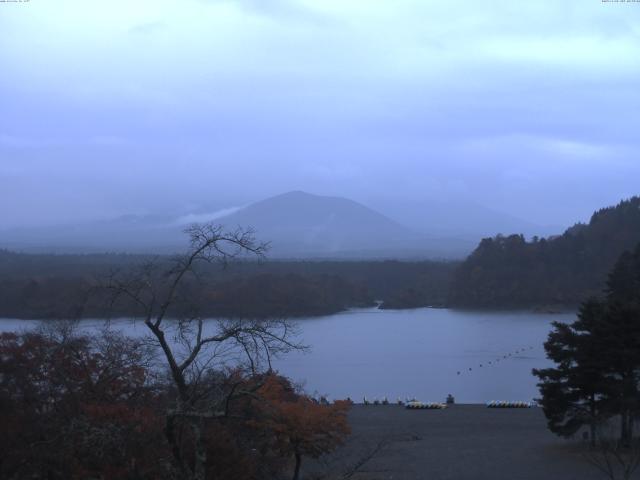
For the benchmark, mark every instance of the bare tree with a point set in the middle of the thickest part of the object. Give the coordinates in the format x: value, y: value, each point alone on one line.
x: 194, y: 350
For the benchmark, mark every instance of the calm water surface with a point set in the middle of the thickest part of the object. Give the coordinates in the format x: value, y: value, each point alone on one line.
x: 423, y: 353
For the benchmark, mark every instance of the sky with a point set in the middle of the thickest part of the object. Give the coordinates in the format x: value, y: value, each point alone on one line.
x: 186, y: 107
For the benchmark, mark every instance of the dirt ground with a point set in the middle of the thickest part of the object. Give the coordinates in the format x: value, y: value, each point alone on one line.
x: 459, y: 443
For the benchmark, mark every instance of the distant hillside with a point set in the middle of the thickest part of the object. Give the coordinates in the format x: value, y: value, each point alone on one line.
x: 300, y: 224
x: 297, y: 225
x: 558, y: 271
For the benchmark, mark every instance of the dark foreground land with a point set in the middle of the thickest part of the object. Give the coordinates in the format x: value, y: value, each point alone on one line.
x: 461, y: 442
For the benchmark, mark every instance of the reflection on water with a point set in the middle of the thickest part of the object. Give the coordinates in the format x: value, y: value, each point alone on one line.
x: 426, y: 353
x: 423, y: 353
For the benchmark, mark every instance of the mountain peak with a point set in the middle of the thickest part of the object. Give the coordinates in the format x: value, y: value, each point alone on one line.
x: 295, y: 195
x: 298, y: 222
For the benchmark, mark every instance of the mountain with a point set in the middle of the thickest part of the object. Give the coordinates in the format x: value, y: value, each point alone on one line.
x: 300, y: 224
x: 297, y: 225
x: 510, y: 272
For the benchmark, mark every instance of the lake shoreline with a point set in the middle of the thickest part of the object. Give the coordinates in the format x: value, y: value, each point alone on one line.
x: 542, y: 310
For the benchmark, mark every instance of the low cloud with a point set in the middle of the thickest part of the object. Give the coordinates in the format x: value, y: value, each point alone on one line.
x: 205, y: 217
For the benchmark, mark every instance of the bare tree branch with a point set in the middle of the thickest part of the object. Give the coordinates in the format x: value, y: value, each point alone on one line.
x: 192, y: 354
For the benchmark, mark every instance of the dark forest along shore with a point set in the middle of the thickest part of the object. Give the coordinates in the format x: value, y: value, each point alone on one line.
x: 424, y: 353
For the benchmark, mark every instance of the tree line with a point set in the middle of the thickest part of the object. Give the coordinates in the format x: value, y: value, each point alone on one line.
x: 511, y: 272
x: 503, y: 272
x: 66, y: 286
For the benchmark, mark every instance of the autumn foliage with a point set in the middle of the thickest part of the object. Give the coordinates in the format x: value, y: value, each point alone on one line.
x: 267, y: 434
x: 74, y: 407
x: 297, y: 424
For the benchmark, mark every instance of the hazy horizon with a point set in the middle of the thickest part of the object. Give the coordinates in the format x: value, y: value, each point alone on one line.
x: 113, y: 108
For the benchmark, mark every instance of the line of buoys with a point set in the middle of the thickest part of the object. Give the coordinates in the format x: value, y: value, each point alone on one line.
x: 503, y: 404
x: 503, y: 357
x: 426, y: 406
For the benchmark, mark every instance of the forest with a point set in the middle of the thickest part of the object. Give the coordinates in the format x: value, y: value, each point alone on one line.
x: 68, y: 286
x: 556, y: 272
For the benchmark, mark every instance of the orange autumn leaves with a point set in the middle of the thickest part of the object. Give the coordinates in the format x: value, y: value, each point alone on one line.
x: 77, y: 407
x: 299, y: 424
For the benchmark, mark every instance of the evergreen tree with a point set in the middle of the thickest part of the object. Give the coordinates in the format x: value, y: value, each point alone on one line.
x: 597, y: 372
x: 619, y: 333
x: 574, y: 392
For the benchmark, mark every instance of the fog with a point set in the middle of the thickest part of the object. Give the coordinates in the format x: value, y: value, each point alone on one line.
x: 187, y: 108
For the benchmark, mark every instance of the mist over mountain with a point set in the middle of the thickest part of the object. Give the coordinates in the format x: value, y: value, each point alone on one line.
x: 300, y: 224
x: 128, y: 233
x: 297, y: 225
x: 460, y: 218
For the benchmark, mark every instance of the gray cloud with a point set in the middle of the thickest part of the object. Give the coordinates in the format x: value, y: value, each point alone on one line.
x: 200, y: 106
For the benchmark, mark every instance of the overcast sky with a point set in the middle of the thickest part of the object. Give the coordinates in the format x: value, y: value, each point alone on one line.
x: 113, y: 107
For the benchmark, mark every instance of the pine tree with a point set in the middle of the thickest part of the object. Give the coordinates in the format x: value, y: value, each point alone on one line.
x: 619, y: 333
x: 597, y: 372
x: 574, y: 392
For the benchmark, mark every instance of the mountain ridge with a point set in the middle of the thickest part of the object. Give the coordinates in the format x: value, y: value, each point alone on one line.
x: 296, y: 223
x: 302, y: 223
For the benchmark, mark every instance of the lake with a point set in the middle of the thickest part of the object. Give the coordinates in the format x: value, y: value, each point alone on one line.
x: 424, y: 353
